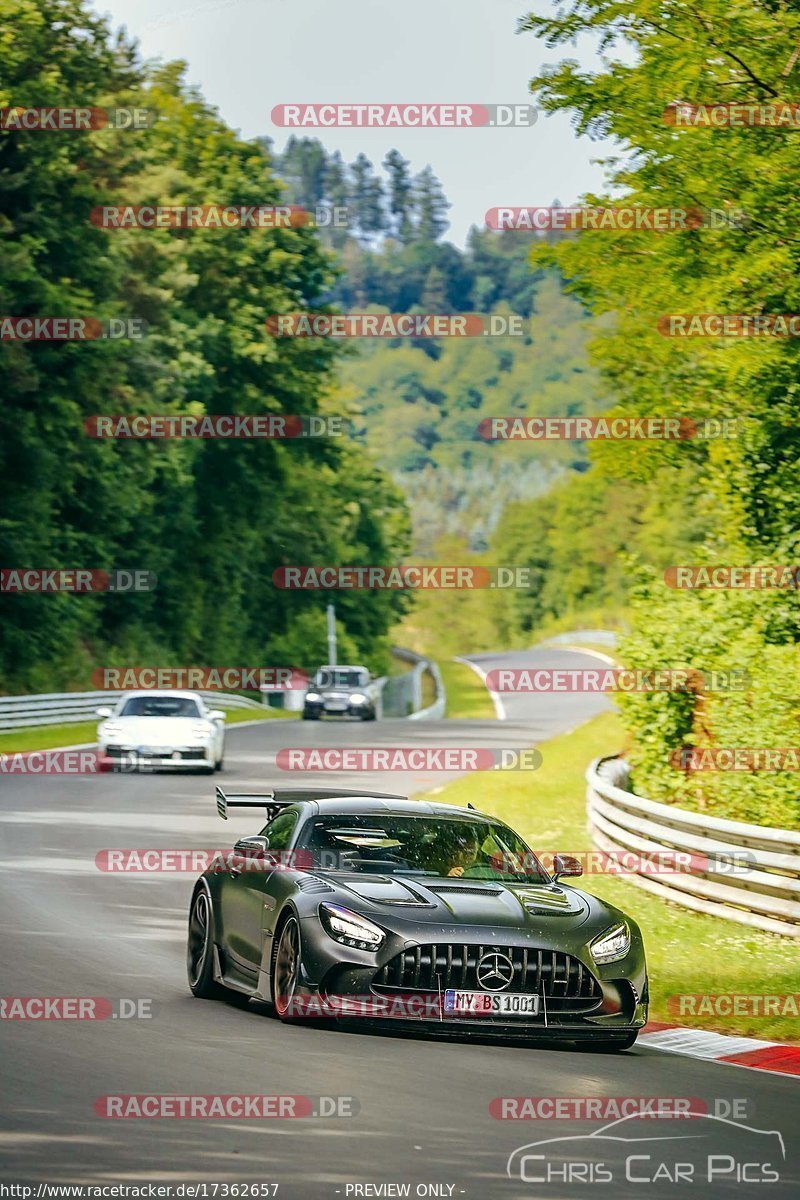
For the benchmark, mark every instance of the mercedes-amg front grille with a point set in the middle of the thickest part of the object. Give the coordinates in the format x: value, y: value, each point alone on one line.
x: 565, y: 982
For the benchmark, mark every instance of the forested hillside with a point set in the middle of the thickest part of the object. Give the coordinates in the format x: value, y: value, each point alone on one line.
x: 417, y: 402
x: 211, y: 518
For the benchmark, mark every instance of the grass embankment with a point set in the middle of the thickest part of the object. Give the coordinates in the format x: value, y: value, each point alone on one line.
x: 688, y: 953
x: 467, y: 697
x: 44, y: 737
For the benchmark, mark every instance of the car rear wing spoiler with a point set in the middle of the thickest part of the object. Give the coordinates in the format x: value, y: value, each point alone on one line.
x: 281, y: 797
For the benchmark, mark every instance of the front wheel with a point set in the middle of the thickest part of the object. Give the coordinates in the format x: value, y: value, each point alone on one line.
x: 286, y: 968
x: 200, y: 949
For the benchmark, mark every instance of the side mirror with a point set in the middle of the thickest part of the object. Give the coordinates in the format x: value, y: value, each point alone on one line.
x: 216, y: 714
x: 565, y: 864
x: 104, y: 712
x: 255, y: 847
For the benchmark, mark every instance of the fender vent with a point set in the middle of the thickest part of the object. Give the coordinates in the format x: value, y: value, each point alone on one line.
x: 310, y: 883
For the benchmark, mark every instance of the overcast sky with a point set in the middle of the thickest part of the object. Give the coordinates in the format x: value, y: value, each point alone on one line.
x: 249, y: 55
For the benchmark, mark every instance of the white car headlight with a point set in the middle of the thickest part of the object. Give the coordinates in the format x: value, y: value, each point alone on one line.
x: 202, y: 729
x: 611, y: 945
x: 358, y: 698
x: 313, y: 697
x: 350, y: 928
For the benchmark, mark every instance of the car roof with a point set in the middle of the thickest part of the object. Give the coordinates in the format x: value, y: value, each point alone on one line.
x: 341, y: 667
x: 354, y: 805
x: 161, y: 693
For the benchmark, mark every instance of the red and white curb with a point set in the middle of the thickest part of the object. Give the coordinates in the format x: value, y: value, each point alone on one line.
x: 738, y: 1051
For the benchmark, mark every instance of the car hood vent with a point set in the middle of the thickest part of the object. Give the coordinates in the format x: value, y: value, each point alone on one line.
x: 466, y: 890
x: 549, y: 901
x: 310, y: 883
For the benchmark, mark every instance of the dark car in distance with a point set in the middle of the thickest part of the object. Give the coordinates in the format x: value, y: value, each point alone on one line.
x: 377, y: 907
x: 340, y: 692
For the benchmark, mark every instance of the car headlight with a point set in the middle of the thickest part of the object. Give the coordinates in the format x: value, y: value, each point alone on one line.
x: 203, y: 729
x: 109, y: 727
x: 358, y: 698
x: 349, y: 928
x: 313, y: 697
x: 611, y: 945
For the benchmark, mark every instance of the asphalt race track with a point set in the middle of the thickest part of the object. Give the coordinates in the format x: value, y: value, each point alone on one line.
x: 423, y: 1103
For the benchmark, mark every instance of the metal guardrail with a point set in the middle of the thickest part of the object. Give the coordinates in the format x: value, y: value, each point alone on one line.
x: 742, y: 872
x: 69, y: 708
x: 433, y: 711
x: 400, y: 699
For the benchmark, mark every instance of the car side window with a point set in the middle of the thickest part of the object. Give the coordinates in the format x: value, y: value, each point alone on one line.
x: 280, y: 830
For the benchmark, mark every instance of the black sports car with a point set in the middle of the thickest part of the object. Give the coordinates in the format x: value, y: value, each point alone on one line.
x: 340, y: 692
x: 351, y: 904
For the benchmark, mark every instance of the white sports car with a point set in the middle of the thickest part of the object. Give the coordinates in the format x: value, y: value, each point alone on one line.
x: 161, y: 730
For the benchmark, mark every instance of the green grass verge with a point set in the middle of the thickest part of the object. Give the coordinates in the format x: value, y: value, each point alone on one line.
x: 467, y: 696
x: 44, y: 737
x: 687, y: 952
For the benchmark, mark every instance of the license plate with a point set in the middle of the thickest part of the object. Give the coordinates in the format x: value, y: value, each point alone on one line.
x: 336, y: 706
x: 488, y: 1004
x: 153, y: 751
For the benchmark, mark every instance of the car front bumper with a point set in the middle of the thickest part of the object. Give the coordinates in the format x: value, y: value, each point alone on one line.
x: 350, y: 984
x: 155, y: 758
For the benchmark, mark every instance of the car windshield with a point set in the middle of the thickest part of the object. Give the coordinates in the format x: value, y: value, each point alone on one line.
x: 159, y: 706
x: 446, y: 847
x: 340, y: 677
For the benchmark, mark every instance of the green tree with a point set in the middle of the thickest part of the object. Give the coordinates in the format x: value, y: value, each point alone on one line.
x: 401, y: 196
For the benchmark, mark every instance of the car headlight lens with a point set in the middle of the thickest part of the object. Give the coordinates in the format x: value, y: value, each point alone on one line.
x: 611, y: 945
x: 202, y: 729
x: 349, y: 928
x: 110, y: 727
x: 358, y: 698
x: 313, y: 697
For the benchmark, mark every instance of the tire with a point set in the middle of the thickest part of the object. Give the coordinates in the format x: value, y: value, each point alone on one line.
x: 286, y: 960
x: 219, y: 765
x: 199, y: 949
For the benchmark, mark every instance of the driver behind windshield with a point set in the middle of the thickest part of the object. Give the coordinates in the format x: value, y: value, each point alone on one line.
x: 464, y: 852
